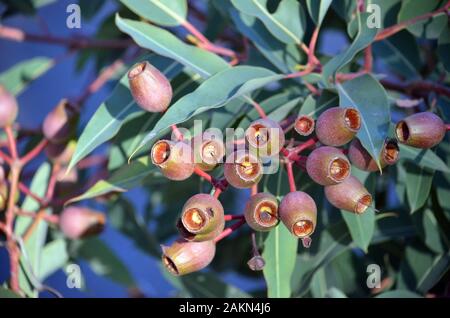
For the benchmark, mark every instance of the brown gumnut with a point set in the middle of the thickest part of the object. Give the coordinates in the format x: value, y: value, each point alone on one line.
x: 261, y: 212
x: 242, y: 169
x: 298, y: 212
x: 361, y: 158
x: 79, y: 222
x: 3, y: 195
x: 349, y: 195
x: 202, y: 218
x: 60, y: 123
x: 266, y: 136
x: 327, y: 165
x: 421, y: 130
x: 256, y: 263
x: 150, y: 88
x: 208, y: 151
x: 337, y: 126
x: 183, y: 257
x: 61, y: 153
x: 304, y: 125
x: 173, y: 158
x: 8, y: 108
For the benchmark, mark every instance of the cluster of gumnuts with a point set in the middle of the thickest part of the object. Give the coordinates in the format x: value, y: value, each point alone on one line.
x: 202, y: 217
x: 58, y: 130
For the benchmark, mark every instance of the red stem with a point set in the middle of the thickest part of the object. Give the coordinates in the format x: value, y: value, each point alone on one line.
x: 204, y: 175
x: 177, y: 132
x: 6, y: 158
x: 368, y: 59
x: 229, y: 230
x: 254, y: 189
x: 18, y: 35
x: 404, y: 24
x: 52, y: 183
x: 11, y: 142
x: 230, y: 217
x: 290, y: 172
x: 34, y: 152
x: 50, y: 218
x: 217, y: 192
x: 307, y: 144
x: 259, y: 109
x: 25, y: 190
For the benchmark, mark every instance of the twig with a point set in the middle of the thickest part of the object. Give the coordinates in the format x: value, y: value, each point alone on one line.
x: 34, y: 152
x: 18, y: 35
x: 229, y: 230
x: 404, y: 24
x: 291, y: 178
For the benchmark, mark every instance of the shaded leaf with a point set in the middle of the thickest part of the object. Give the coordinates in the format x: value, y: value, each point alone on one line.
x: 398, y: 294
x: 434, y: 273
x: 424, y: 158
x: 418, y: 186
x: 444, y: 47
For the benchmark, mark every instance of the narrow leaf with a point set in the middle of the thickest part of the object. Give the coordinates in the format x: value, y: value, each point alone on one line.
x: 162, y: 12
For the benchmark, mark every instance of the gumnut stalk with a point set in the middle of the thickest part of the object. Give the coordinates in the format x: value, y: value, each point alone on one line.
x: 337, y: 126
x: 304, y: 125
x: 173, y: 158
x: 208, y: 151
x: 183, y: 257
x: 150, y: 88
x: 350, y: 195
x: 421, y: 130
x: 257, y: 262
x: 265, y: 136
x: 79, y: 222
x: 327, y: 165
x: 242, y: 169
x: 60, y: 123
x: 202, y: 218
x: 8, y: 108
x: 361, y: 158
x: 298, y: 212
x: 261, y: 212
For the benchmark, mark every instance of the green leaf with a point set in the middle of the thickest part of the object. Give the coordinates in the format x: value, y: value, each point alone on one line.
x: 344, y: 8
x: 367, y: 95
x: 334, y: 292
x: 416, y: 262
x: 104, y: 262
x: 363, y: 39
x: 213, y: 93
x: 162, y: 12
x: 54, y: 257
x: 430, y: 28
x: 424, y: 158
x: 208, y: 285
x: 7, y: 293
x: 434, y: 273
x: 124, y: 179
x: 418, y: 186
x: 35, y: 243
x: 314, y: 108
x: 282, y: 56
x: 280, y: 249
x: 362, y: 226
x: 111, y: 114
x: 398, y: 294
x: 401, y: 53
x: 444, y: 47
x: 287, y: 23
x: 164, y: 43
x: 16, y: 79
x: 318, y: 9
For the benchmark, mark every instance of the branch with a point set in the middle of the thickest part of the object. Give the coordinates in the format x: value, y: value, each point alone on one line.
x: 416, y: 89
x: 404, y: 24
x: 18, y: 35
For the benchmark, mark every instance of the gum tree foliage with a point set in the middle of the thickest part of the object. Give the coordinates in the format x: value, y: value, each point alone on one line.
x: 408, y: 235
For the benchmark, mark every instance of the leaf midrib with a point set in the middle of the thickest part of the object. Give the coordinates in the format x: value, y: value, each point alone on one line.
x: 171, y: 13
